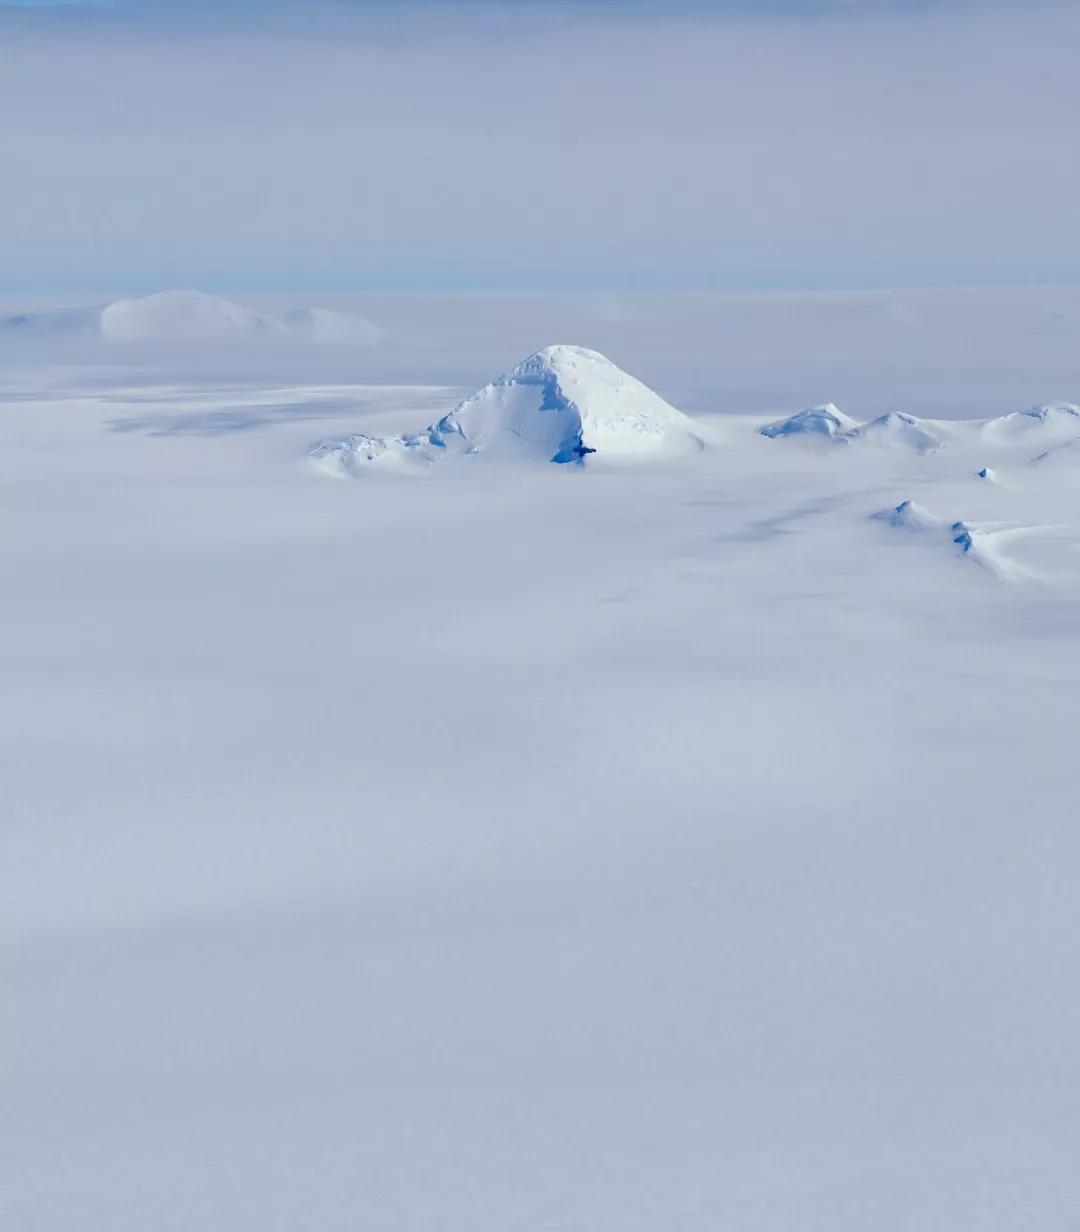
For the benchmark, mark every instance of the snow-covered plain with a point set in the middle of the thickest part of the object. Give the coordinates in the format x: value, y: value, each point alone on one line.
x: 651, y: 844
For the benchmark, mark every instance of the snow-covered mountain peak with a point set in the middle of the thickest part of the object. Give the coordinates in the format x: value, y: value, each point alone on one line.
x: 561, y: 404
x: 826, y: 420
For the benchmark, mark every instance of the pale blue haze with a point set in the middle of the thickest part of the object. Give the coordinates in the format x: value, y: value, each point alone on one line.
x: 577, y: 145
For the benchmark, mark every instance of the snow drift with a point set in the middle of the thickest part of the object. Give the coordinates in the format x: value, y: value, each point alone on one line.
x: 564, y: 404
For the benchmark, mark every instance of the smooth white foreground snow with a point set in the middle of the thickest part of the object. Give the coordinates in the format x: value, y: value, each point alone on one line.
x: 524, y: 846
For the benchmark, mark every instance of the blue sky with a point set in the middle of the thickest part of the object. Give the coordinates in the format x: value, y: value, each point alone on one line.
x: 359, y: 145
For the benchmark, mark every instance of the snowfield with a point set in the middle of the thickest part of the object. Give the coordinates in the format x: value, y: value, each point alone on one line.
x: 497, y: 845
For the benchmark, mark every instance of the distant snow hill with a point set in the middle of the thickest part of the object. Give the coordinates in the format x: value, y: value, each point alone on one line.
x: 193, y: 316
x: 1055, y: 421
x: 828, y: 422
x: 564, y: 404
x: 1046, y: 426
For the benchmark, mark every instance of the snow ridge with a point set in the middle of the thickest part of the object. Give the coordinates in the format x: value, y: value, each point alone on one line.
x: 827, y: 421
x: 1050, y: 422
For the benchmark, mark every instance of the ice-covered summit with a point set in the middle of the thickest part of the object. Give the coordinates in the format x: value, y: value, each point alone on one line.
x: 826, y: 420
x: 894, y: 430
x: 563, y: 404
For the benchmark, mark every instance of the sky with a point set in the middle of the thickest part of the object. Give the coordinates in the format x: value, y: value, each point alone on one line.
x: 585, y: 145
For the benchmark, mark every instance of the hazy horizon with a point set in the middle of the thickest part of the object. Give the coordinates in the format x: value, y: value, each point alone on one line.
x: 621, y: 147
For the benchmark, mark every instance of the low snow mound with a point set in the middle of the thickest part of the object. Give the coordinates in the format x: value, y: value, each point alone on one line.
x: 195, y: 317
x: 1055, y: 420
x: 980, y: 545
x: 563, y: 404
x: 909, y: 516
x: 897, y: 430
x: 818, y: 421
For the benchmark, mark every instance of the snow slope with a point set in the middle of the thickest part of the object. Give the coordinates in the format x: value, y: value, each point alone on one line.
x: 562, y: 404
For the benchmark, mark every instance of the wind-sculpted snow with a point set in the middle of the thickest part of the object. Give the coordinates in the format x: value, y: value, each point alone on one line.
x: 564, y: 404
x: 184, y: 317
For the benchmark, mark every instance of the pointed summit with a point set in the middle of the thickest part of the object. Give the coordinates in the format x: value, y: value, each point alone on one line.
x: 909, y: 516
x: 563, y: 404
x: 826, y: 420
